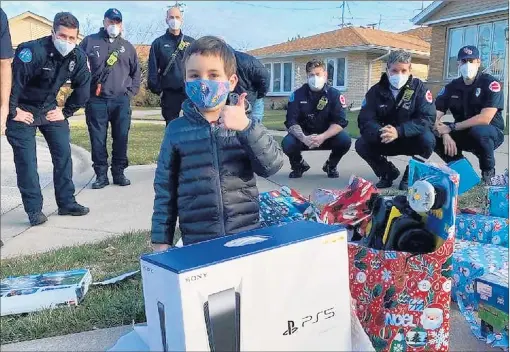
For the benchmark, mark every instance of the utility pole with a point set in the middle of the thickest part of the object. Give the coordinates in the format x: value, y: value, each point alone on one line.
x: 343, y: 13
x: 380, y: 19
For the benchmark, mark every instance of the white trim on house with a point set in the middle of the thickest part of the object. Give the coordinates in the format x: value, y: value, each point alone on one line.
x: 282, y: 78
x: 416, y: 53
x: 335, y: 68
x: 460, y: 17
x: 436, y: 5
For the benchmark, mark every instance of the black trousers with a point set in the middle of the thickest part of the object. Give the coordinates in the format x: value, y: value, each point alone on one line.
x: 117, y: 111
x: 479, y: 140
x: 374, y: 152
x: 171, y: 102
x: 339, y: 146
x: 22, y: 139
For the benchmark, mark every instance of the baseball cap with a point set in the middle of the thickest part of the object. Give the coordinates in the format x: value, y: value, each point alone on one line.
x: 468, y: 52
x: 113, y: 14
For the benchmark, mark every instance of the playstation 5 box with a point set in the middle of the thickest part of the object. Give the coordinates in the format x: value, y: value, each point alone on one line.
x: 281, y: 288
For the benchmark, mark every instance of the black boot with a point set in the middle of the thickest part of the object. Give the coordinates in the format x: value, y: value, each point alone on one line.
x: 101, y: 181
x: 74, y: 210
x: 487, y: 175
x: 121, y: 180
x: 330, y: 170
x: 299, y: 170
x: 37, y: 218
x: 386, y: 180
x: 404, y: 183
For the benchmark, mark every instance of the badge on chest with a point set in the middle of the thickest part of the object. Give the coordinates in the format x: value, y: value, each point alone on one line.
x: 322, y: 103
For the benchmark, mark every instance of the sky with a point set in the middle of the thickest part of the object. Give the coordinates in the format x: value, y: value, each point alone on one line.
x: 244, y: 24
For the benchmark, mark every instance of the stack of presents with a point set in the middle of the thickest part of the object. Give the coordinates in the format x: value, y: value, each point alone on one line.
x: 284, y: 286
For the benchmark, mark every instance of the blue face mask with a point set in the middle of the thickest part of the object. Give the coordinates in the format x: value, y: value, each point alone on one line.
x: 207, y: 94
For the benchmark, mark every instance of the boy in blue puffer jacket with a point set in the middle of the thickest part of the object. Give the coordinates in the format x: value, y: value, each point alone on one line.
x: 209, y: 156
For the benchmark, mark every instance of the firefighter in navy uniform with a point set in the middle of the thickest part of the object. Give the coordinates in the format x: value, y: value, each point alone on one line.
x: 40, y: 68
x: 166, y: 77
x: 396, y: 118
x: 115, y: 80
x: 475, y: 100
x: 315, y: 121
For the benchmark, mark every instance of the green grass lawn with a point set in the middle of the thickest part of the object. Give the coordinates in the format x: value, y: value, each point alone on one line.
x: 144, y: 141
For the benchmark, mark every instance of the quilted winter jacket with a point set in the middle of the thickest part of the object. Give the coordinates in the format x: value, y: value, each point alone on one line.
x: 206, y: 177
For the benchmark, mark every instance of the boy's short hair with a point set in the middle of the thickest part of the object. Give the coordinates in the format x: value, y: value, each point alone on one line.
x: 314, y: 63
x: 65, y: 19
x: 213, y: 46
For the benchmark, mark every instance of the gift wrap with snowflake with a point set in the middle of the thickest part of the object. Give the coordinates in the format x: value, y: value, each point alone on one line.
x: 403, y: 300
x: 497, y: 201
x: 482, y: 229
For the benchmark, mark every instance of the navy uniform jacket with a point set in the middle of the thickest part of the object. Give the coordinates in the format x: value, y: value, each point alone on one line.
x: 316, y: 111
x: 410, y: 114
x: 38, y: 73
x: 160, y: 55
x: 5, y: 37
x: 465, y: 101
x: 125, y: 76
x: 253, y: 76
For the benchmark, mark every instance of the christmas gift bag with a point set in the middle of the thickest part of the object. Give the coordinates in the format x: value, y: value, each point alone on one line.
x: 285, y: 205
x: 497, y: 201
x: 403, y: 300
x: 483, y: 229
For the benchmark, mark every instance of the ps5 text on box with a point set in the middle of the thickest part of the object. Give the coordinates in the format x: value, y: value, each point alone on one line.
x: 282, y: 288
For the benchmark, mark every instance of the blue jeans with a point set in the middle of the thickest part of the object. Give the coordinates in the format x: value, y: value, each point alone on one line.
x: 257, y: 110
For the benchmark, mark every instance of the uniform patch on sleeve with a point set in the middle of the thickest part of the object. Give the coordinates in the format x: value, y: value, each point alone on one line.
x: 291, y: 97
x: 495, y: 87
x: 364, y: 102
x: 25, y: 55
x: 428, y: 97
x: 342, y: 101
x: 441, y: 92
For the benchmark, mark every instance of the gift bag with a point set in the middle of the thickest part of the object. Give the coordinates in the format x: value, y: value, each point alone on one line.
x: 403, y: 300
x: 285, y: 205
x: 497, y: 201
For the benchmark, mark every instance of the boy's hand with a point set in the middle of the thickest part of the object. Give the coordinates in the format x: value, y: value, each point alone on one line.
x: 233, y: 117
x: 158, y: 247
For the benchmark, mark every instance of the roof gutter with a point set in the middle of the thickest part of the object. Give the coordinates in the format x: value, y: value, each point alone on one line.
x: 370, y: 67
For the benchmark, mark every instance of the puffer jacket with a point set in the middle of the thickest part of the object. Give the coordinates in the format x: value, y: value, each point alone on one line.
x: 206, y: 177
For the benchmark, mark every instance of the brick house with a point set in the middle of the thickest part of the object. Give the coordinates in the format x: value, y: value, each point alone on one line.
x: 354, y: 57
x: 455, y: 24
x: 29, y: 26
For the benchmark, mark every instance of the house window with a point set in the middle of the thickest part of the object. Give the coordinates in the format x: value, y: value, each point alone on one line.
x: 336, y: 72
x: 280, y: 74
x: 490, y: 40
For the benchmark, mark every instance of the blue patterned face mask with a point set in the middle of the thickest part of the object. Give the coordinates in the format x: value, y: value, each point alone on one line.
x: 207, y: 94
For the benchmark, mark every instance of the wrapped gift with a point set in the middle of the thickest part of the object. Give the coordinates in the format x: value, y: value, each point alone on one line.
x: 285, y: 205
x: 497, y: 201
x: 403, y: 300
x: 492, y: 319
x: 492, y: 288
x: 483, y: 229
x: 350, y: 206
x: 468, y: 176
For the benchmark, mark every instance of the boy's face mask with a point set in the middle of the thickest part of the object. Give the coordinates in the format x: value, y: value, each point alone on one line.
x: 207, y: 94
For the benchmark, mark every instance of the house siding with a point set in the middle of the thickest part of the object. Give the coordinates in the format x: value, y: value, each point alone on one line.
x: 28, y: 29
x: 460, y: 8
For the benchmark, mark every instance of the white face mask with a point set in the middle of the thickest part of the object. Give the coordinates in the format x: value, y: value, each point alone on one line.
x: 63, y: 46
x: 316, y: 83
x: 398, y: 80
x: 113, y: 30
x: 174, y: 24
x: 468, y: 70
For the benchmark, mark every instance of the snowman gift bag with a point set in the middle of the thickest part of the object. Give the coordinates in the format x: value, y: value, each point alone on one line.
x: 403, y: 299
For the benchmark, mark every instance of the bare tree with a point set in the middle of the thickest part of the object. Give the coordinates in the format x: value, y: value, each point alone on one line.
x: 192, y: 31
x: 87, y: 27
x: 243, y: 46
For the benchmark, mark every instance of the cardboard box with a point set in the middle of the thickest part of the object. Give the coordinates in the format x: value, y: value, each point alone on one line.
x: 492, y: 289
x: 24, y: 294
x: 271, y: 289
x: 482, y: 229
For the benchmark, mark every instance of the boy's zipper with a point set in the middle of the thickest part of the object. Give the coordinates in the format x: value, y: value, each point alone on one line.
x: 217, y: 166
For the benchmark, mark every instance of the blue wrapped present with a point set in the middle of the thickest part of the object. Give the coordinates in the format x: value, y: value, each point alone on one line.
x: 468, y: 176
x: 492, y: 289
x: 472, y: 260
x: 482, y: 228
x: 497, y: 201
